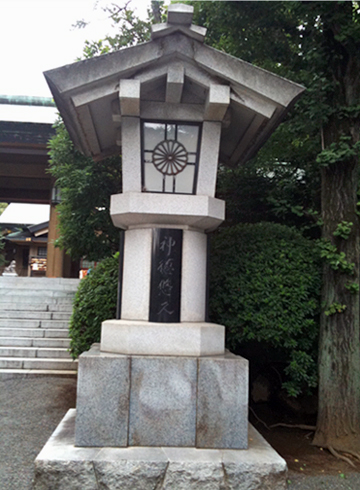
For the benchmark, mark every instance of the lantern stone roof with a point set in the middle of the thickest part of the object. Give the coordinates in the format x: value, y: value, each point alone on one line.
x: 175, y: 76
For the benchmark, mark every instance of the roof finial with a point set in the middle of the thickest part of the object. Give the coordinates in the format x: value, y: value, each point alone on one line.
x: 180, y: 14
x: 179, y: 19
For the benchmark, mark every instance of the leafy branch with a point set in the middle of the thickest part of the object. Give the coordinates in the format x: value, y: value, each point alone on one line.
x: 335, y: 308
x: 336, y: 260
x: 338, y: 152
x: 343, y: 229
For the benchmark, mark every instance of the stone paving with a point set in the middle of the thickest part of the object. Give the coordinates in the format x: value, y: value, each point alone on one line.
x: 31, y: 409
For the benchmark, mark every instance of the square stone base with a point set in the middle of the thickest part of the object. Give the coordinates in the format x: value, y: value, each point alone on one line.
x: 62, y: 466
x: 125, y: 400
x: 162, y: 339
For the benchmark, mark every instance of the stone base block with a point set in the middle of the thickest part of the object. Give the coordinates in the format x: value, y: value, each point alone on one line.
x: 61, y: 465
x: 162, y: 339
x: 162, y: 401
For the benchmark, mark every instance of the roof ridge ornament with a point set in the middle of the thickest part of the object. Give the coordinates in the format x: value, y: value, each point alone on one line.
x: 180, y: 14
x: 179, y: 19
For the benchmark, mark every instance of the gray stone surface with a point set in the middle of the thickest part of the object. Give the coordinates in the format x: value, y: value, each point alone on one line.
x: 129, y: 94
x: 174, y: 84
x: 217, y: 102
x: 222, y: 404
x: 75, y: 475
x: 180, y: 14
x: 102, y: 400
x: 166, y: 111
x: 193, y: 276
x: 162, y: 401
x: 265, y: 478
x: 63, y: 467
x: 163, y: 30
x: 194, y: 476
x: 136, y: 275
x: 129, y: 475
x: 155, y: 209
x: 209, y: 157
x: 131, y: 154
x: 162, y: 339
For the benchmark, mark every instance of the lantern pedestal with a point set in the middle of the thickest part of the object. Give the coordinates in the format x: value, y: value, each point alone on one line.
x: 178, y: 401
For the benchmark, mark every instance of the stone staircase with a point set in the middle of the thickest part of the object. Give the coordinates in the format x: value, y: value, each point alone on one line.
x: 34, y: 319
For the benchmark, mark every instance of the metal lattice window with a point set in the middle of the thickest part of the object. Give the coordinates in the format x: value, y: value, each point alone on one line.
x: 170, y: 154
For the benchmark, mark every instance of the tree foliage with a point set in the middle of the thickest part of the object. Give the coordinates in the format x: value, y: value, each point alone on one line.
x: 269, y: 35
x: 265, y: 288
x: 95, y: 302
x: 317, y: 44
x: 3, y: 206
x: 86, y: 229
x: 131, y: 29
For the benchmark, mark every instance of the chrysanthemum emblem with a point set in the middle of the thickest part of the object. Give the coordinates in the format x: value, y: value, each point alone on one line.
x: 170, y: 157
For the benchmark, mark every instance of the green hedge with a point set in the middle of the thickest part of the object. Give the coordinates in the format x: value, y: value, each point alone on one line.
x: 95, y: 301
x: 265, y: 285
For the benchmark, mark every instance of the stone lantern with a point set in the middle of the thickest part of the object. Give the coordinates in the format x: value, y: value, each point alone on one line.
x: 173, y: 108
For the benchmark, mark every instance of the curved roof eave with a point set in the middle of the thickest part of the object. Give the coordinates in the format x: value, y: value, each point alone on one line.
x: 100, y: 76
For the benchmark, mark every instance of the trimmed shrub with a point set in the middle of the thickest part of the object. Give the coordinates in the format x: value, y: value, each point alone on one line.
x: 95, y: 301
x: 265, y: 285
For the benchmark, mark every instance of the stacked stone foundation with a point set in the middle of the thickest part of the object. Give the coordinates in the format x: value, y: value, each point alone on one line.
x: 131, y: 400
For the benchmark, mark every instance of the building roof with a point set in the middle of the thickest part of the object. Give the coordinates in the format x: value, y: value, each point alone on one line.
x: 25, y: 214
x: 25, y: 133
x: 25, y: 236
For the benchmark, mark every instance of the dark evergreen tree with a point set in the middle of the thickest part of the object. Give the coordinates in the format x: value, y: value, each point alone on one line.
x: 317, y: 44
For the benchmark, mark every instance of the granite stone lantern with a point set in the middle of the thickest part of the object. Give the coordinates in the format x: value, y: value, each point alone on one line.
x: 160, y: 378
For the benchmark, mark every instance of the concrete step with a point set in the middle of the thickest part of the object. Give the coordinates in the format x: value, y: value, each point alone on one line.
x: 37, y: 294
x: 34, y: 342
x: 28, y: 363
x: 35, y: 352
x: 28, y: 315
x: 34, y: 315
x: 61, y: 315
x: 20, y: 298
x: 35, y: 332
x: 39, y: 306
x: 34, y: 283
x: 11, y: 373
x: 34, y: 321
x: 16, y: 323
x: 54, y: 324
x: 6, y: 323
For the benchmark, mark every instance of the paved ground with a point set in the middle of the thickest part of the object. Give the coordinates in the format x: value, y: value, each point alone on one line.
x: 32, y: 407
x: 30, y: 410
x: 349, y: 481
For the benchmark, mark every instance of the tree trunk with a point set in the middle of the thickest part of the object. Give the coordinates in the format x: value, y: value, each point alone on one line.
x: 338, y: 422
